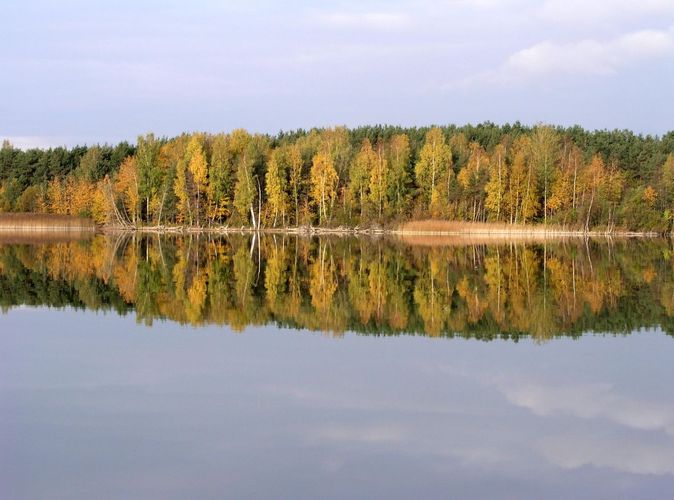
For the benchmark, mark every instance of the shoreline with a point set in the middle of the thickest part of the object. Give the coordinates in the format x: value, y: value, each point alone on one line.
x: 41, y: 224
x: 535, y: 231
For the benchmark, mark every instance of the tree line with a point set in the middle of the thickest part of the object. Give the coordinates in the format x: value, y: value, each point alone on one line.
x: 349, y: 284
x: 367, y: 176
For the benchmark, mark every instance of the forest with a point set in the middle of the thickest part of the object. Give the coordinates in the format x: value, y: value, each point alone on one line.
x: 366, y: 285
x: 366, y: 177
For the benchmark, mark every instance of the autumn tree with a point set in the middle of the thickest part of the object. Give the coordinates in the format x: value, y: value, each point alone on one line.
x: 359, y: 176
x: 127, y: 186
x: 198, y: 170
x: 149, y: 172
x: 472, y: 177
x: 433, y: 170
x: 184, y: 189
x: 398, y: 175
x: 220, y: 173
x: 296, y: 180
x: 666, y: 186
x: 496, y: 186
x: 544, y: 154
x: 249, y: 152
x: 379, y: 180
x: 612, y: 188
x: 324, y: 181
x: 276, y: 183
x: 594, y: 176
x: 528, y: 185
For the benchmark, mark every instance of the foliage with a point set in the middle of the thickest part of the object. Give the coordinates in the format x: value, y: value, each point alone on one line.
x: 385, y: 175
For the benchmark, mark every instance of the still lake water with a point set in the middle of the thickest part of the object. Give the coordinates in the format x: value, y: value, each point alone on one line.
x: 336, y: 368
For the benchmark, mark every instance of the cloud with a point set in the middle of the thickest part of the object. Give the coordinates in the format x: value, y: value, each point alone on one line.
x: 582, y: 58
x: 583, y: 11
x: 364, y: 20
x: 380, y: 433
x: 590, y: 57
x: 624, y: 454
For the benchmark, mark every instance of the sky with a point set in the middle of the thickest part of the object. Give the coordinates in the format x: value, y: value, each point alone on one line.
x: 76, y: 72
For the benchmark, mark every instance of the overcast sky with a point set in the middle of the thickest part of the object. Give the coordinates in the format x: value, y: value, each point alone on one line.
x: 86, y: 71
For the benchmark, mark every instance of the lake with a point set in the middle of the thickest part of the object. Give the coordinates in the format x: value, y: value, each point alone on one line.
x: 288, y: 367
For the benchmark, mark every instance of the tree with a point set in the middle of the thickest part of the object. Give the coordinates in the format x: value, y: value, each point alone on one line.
x: 564, y: 189
x: 612, y: 189
x: 323, y: 184
x: 183, y: 189
x: 433, y: 170
x: 244, y: 189
x: 295, y: 164
x: 198, y: 169
x: 149, y: 173
x: 666, y: 185
x: 276, y: 183
x: 220, y: 172
x: 378, y: 180
x: 593, y: 179
x: 522, y: 199
x: 472, y: 177
x: 89, y: 165
x: 127, y: 186
x: 544, y: 153
x: 359, y: 176
x: 496, y: 186
x: 31, y: 200
x: 398, y: 178
x: 530, y: 198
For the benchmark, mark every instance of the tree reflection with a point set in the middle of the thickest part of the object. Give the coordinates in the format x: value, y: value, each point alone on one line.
x: 337, y: 284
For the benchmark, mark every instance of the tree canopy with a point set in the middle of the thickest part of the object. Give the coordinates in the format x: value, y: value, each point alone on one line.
x: 364, y: 176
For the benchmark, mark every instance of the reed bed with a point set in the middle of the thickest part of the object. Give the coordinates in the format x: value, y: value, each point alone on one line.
x: 433, y: 227
x: 40, y: 223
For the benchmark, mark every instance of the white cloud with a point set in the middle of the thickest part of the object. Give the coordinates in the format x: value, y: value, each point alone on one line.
x: 601, y: 10
x: 582, y: 58
x: 624, y: 454
x: 366, y: 20
x: 590, y: 57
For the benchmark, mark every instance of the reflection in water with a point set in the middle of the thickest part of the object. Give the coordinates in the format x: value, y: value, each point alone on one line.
x: 98, y: 406
x: 368, y: 286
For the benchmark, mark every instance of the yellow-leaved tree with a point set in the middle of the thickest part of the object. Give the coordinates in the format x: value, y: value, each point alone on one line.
x: 323, y: 184
x: 276, y: 184
x: 471, y: 179
x: 198, y: 169
x: 593, y: 178
x: 398, y: 178
x: 433, y: 170
x: 126, y: 186
x: 378, y: 180
x: 359, y: 174
x: 295, y: 164
x: 496, y: 186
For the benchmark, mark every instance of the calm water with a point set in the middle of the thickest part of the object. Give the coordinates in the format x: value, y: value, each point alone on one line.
x: 336, y: 368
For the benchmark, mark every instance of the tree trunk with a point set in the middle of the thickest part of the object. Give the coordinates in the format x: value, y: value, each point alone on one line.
x: 589, y: 211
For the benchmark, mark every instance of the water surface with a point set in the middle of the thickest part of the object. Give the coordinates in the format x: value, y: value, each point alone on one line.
x: 338, y: 368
